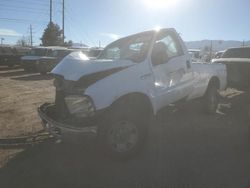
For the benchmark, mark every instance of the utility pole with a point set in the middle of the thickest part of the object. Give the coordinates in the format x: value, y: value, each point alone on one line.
x: 2, y: 39
x: 63, y: 20
x: 243, y: 43
x: 211, y: 50
x: 31, y: 37
x: 50, y: 12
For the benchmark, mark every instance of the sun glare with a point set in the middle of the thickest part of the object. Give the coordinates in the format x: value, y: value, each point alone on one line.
x: 157, y: 28
x: 159, y: 4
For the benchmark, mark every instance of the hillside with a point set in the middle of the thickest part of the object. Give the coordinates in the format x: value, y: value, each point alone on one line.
x: 217, y: 44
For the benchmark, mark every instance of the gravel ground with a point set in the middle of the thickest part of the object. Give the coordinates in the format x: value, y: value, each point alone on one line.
x: 186, y: 148
x: 20, y: 94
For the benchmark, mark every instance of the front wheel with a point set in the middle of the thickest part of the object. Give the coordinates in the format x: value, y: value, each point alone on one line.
x: 211, y: 99
x: 124, y: 135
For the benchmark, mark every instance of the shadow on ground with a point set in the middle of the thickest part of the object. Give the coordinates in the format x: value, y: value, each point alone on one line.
x: 186, y: 148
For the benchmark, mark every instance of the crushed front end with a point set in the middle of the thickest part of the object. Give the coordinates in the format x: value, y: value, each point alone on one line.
x: 72, y: 112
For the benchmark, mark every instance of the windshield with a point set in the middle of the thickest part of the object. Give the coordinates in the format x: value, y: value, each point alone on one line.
x: 134, y: 48
x: 94, y: 52
x: 38, y: 52
x: 58, y: 53
x: 237, y: 53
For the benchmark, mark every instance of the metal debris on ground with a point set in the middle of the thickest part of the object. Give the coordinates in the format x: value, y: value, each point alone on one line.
x: 26, y: 141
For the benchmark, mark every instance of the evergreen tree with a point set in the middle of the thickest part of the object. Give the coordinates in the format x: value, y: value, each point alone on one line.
x: 52, y: 35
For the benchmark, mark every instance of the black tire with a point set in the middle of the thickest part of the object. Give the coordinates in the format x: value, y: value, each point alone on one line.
x: 124, y: 133
x: 211, y: 99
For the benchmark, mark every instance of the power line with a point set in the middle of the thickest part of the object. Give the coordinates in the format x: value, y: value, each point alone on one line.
x: 21, y: 20
x: 73, y: 31
x: 30, y: 8
x: 89, y: 39
x: 26, y: 11
x: 43, y: 3
x: 34, y: 7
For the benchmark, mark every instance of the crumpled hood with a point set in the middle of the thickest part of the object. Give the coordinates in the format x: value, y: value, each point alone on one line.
x: 76, y: 65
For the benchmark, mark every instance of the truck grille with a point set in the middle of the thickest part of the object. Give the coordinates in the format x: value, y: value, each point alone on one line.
x: 63, y: 88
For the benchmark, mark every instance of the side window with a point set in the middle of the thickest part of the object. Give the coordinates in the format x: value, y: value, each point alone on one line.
x: 136, y: 46
x: 171, y: 46
x: 113, y: 53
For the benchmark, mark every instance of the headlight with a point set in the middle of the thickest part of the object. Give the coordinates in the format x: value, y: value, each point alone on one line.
x: 80, y: 106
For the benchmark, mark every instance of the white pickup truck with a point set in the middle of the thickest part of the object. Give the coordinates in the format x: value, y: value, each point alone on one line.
x: 113, y: 96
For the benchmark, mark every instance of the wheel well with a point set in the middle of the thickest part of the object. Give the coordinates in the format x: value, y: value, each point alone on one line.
x: 214, y: 81
x: 138, y: 101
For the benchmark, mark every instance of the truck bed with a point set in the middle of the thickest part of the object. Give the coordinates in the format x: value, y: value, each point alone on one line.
x: 237, y: 72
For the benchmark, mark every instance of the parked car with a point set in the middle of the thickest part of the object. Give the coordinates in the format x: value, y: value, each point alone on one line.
x: 54, y: 56
x: 237, y: 61
x: 114, y: 96
x: 93, y: 53
x: 219, y: 54
x: 31, y: 60
x: 5, y: 54
x: 11, y: 55
x: 195, y: 54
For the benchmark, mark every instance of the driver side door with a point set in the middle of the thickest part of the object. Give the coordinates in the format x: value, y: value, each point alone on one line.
x: 171, y: 74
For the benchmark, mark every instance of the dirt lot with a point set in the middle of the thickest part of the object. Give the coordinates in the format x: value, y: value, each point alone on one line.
x: 20, y: 94
x: 186, y: 147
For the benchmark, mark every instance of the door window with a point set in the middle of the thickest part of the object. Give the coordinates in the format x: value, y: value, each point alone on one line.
x: 113, y: 53
x: 168, y: 45
x: 171, y: 46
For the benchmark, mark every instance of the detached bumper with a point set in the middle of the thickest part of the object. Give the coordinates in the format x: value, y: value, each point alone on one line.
x: 54, y: 126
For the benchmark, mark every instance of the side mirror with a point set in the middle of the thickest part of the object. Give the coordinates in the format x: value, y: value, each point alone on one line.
x: 159, y: 53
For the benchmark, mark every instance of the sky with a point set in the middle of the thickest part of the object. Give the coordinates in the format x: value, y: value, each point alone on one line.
x: 93, y: 21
